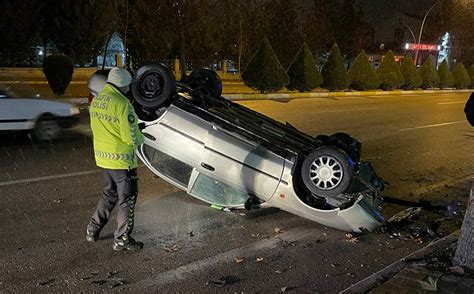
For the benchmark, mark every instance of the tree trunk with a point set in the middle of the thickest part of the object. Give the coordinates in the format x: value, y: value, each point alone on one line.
x: 125, y: 45
x: 182, y: 52
x: 240, y: 39
x: 105, y: 51
x: 465, y: 249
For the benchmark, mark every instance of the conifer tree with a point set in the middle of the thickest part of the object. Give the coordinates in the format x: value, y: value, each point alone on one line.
x: 334, y: 73
x: 58, y: 70
x: 428, y: 74
x: 304, y: 76
x: 461, y: 76
x: 361, y: 74
x: 264, y: 71
x: 389, y: 73
x: 410, y: 74
x: 445, y: 77
x: 471, y: 75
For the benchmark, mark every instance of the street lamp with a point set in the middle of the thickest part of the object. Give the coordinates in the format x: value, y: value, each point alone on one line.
x: 421, y: 30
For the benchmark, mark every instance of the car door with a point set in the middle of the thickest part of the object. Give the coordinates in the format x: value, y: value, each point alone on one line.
x: 174, y: 145
x: 231, y: 159
x: 13, y: 113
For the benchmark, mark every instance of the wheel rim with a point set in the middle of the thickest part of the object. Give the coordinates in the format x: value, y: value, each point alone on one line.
x: 151, y: 85
x: 326, y: 172
x: 47, y: 130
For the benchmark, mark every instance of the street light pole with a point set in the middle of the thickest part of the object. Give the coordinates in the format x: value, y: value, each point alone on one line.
x: 412, y: 33
x: 421, y: 31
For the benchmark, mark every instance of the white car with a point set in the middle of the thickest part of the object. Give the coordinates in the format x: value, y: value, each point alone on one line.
x: 43, y: 117
x: 228, y: 155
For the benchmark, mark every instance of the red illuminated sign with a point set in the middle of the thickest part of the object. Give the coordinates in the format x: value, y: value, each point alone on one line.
x: 426, y: 47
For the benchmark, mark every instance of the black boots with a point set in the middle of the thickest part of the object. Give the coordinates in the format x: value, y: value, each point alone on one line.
x: 130, y: 245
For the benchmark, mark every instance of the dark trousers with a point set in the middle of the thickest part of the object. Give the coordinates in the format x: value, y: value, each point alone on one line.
x: 119, y: 186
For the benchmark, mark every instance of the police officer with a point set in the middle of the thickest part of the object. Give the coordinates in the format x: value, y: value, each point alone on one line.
x: 116, y: 134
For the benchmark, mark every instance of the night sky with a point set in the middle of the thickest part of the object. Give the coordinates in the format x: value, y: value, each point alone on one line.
x: 386, y: 15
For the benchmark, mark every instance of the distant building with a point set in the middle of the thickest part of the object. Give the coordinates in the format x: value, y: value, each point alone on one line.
x: 375, y: 59
x: 115, y: 52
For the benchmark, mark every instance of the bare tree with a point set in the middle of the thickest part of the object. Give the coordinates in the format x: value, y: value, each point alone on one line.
x: 123, y: 16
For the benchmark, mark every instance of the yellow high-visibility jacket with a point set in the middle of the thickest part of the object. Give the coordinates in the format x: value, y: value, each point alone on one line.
x: 114, y: 125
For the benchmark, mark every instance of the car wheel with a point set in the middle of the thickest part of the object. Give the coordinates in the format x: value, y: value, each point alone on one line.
x: 46, y: 128
x: 153, y: 86
x: 327, y: 172
x: 207, y: 80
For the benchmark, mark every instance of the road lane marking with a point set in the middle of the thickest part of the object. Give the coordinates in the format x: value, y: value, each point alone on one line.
x: 457, y: 102
x: 183, y: 272
x: 39, y: 82
x: 53, y: 177
x: 345, y: 110
x: 433, y: 126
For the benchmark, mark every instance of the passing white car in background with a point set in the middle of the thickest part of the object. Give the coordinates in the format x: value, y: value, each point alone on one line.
x: 44, y: 118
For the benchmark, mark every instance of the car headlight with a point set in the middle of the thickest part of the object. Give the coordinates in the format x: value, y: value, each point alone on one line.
x: 74, y: 110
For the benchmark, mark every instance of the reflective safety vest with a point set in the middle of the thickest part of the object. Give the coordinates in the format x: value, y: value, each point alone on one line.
x: 114, y: 125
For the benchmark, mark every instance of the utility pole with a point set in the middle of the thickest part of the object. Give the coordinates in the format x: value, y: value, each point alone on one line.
x: 421, y: 31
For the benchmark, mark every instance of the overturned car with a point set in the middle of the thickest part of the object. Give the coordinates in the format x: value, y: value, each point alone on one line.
x: 228, y: 155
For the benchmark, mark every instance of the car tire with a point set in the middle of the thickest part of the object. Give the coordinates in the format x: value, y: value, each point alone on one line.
x: 327, y: 172
x: 46, y: 128
x: 153, y: 86
x: 207, y: 80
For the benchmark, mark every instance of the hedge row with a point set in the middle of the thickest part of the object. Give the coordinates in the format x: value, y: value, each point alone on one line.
x: 266, y: 74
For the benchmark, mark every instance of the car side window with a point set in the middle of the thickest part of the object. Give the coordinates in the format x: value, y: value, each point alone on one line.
x: 216, y: 192
x: 170, y: 167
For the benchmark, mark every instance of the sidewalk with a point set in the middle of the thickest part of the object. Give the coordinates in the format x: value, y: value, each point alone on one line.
x: 426, y: 271
x: 295, y: 95
x: 289, y: 96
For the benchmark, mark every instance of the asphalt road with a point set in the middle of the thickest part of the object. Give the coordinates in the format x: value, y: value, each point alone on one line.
x: 420, y: 144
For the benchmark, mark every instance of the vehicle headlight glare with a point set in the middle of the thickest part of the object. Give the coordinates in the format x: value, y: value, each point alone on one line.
x: 74, y: 110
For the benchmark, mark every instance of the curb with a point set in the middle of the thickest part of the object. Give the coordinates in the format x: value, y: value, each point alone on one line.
x: 286, y: 96
x: 291, y: 96
x: 388, y: 272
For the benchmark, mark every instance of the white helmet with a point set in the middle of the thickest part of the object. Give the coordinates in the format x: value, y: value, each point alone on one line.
x: 119, y: 77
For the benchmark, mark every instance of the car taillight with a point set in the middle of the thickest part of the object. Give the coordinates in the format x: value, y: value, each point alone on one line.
x: 89, y: 99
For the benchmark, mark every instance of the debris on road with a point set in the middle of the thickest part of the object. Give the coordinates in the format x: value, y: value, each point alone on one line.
x: 86, y: 278
x: 456, y: 270
x: 45, y: 283
x: 120, y: 282
x: 221, y: 208
x: 450, y: 208
x: 171, y: 248
x: 351, y: 239
x: 222, y: 281
x: 409, y: 214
